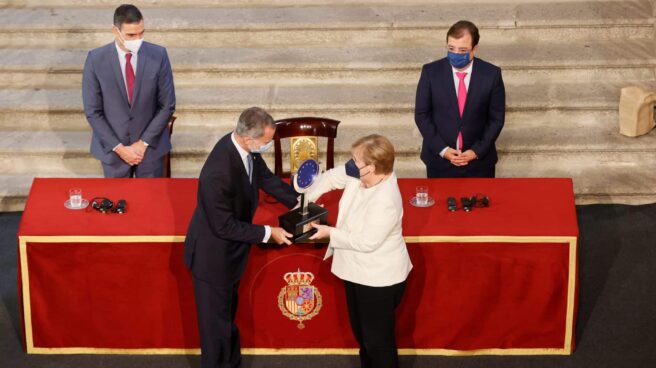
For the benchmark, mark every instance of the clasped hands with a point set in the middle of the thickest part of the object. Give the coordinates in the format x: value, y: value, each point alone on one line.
x: 132, y: 154
x: 459, y: 158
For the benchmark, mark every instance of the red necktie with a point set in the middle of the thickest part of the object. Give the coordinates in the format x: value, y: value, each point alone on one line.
x: 462, y: 98
x: 129, y: 75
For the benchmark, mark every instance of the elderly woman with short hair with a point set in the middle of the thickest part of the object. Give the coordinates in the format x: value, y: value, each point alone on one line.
x: 367, y: 245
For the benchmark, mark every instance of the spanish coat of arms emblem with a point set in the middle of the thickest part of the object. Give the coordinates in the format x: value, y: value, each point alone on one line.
x: 299, y: 300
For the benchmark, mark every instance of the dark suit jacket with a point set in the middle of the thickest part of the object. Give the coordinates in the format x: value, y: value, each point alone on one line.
x: 106, y: 106
x: 221, y: 231
x: 438, y: 118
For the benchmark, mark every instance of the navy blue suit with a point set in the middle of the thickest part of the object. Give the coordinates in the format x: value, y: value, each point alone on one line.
x: 218, y: 241
x: 113, y: 120
x: 438, y: 118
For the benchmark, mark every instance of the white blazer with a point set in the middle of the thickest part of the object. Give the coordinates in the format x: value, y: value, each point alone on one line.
x: 367, y: 243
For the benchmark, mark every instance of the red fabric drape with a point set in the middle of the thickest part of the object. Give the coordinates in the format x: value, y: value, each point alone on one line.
x: 460, y: 296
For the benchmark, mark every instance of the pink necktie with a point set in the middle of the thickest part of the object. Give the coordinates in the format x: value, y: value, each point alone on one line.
x: 129, y: 76
x: 462, y: 98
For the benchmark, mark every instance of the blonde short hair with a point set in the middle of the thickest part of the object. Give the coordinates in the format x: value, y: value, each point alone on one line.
x: 378, y: 151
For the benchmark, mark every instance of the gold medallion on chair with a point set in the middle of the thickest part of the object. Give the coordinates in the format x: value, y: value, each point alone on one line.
x: 299, y: 300
x: 303, y: 148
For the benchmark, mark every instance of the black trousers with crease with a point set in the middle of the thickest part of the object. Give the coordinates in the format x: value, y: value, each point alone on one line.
x: 372, y: 315
x: 219, y: 335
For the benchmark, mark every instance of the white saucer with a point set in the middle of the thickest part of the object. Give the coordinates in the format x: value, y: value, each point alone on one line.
x: 84, y: 205
x: 430, y: 202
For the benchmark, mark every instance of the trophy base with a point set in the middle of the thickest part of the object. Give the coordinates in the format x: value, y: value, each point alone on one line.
x: 297, y: 224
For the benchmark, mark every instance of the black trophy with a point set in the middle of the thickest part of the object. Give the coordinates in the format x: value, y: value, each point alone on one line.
x: 297, y: 221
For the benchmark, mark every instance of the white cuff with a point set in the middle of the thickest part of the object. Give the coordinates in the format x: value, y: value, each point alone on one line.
x: 114, y: 149
x: 442, y: 152
x: 267, y: 233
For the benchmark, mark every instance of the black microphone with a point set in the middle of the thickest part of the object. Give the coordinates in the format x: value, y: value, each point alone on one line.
x: 102, y: 204
x: 451, y: 204
x: 120, y: 206
x: 466, y: 204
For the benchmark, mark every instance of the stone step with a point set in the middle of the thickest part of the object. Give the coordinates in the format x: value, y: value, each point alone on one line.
x: 320, y: 24
x: 524, y: 56
x: 328, y: 99
x: 535, y: 63
x: 219, y: 121
x: 319, y: 38
x: 596, y: 179
x: 67, y: 153
x: 72, y: 78
x: 52, y: 39
x: 549, y: 131
x: 150, y: 4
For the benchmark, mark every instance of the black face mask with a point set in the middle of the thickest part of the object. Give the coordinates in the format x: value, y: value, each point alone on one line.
x: 353, y: 170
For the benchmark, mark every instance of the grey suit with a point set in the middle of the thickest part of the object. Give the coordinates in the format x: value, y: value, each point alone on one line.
x: 114, y: 121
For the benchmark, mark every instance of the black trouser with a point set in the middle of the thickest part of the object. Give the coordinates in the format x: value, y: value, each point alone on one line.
x: 458, y: 172
x: 150, y: 169
x: 219, y: 336
x: 371, y: 312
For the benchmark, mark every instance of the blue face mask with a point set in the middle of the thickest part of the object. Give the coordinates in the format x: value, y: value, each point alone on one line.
x: 353, y: 170
x: 458, y: 61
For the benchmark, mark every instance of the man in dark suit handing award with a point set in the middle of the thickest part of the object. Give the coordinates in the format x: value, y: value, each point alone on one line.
x: 221, y: 230
x: 129, y: 98
x: 460, y: 109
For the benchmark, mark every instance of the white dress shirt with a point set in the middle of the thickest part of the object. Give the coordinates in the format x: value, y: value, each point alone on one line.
x: 121, y: 59
x: 244, y: 158
x: 456, y: 82
x: 367, y: 242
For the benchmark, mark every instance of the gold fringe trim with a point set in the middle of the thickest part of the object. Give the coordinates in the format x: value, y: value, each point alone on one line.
x: 569, y: 323
x: 260, y: 351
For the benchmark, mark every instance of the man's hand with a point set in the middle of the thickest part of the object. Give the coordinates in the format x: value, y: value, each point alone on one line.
x: 280, y: 236
x: 464, y: 158
x: 139, y: 147
x: 323, y: 231
x: 453, y: 156
x: 128, y: 155
x: 458, y: 158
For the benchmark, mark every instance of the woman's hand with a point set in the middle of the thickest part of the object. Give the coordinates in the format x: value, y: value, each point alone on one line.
x: 323, y: 231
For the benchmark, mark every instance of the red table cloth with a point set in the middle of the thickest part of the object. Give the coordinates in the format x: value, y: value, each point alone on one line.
x: 497, y: 280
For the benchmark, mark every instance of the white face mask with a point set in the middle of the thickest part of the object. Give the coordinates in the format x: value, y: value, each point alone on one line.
x: 132, y: 45
x: 263, y: 148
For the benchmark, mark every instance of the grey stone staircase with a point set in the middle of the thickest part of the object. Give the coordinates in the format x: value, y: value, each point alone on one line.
x: 564, y: 64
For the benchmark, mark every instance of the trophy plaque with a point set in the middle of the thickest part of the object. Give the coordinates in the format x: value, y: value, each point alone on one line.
x: 297, y: 221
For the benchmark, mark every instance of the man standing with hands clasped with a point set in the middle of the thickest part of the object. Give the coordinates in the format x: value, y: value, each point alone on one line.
x: 129, y: 98
x: 221, y: 230
x: 460, y: 109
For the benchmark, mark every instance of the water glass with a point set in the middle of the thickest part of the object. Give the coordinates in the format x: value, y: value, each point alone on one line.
x: 422, y: 195
x: 75, y: 197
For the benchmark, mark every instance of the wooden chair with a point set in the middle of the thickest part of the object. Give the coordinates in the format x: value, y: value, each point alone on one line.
x: 297, y: 128
x: 167, y: 157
